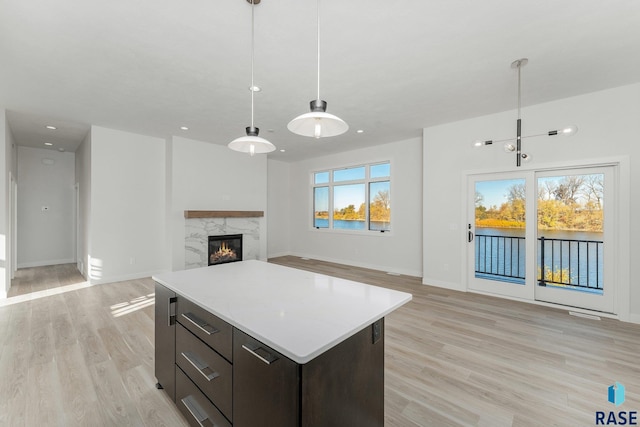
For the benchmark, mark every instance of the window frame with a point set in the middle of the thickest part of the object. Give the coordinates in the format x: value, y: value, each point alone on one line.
x: 366, y: 181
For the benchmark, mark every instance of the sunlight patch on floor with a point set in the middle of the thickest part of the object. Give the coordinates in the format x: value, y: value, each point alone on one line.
x: 124, y: 308
x: 43, y: 294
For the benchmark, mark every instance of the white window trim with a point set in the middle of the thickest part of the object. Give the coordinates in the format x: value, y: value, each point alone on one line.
x: 366, y: 181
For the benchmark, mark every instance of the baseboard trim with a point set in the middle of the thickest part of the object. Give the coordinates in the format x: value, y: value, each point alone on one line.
x: 279, y: 254
x: 440, y: 284
x: 124, y: 277
x: 386, y: 269
x: 45, y: 263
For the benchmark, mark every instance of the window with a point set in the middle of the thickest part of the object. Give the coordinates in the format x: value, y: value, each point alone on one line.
x: 353, y: 198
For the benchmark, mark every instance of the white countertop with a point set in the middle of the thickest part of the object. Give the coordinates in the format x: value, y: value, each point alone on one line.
x: 298, y: 313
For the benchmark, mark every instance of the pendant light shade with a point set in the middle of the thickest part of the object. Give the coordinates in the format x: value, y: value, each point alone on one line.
x: 251, y: 143
x: 318, y: 123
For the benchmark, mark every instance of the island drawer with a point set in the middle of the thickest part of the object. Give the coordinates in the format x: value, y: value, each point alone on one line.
x: 206, y: 368
x: 196, y: 408
x: 214, y: 331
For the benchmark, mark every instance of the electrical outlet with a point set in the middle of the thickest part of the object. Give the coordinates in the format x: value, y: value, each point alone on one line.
x: 376, y: 332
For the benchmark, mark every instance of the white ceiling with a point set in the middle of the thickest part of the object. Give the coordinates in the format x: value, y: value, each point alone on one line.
x: 388, y: 67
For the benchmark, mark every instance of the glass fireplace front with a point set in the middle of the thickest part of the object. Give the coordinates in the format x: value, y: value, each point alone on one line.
x: 224, y: 249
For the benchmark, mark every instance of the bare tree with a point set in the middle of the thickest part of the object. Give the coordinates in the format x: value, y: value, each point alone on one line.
x: 593, y: 189
x: 517, y: 192
x: 569, y: 189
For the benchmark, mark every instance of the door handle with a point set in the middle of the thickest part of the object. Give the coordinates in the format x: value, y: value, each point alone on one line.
x: 470, y: 235
x: 265, y: 356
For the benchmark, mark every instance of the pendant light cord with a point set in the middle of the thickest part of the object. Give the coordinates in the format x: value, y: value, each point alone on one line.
x: 252, y: 88
x: 318, y: 36
x: 519, y: 89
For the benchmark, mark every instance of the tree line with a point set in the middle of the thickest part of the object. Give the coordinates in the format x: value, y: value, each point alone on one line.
x: 572, y: 203
x: 379, y: 210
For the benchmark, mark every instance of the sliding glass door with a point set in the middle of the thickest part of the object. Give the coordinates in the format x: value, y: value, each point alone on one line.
x: 574, y: 254
x: 497, y: 235
x: 544, y: 235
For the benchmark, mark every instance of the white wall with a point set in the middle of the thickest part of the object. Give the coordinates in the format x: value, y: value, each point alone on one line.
x: 399, y: 251
x: 45, y: 180
x: 279, y: 208
x: 6, y: 142
x: 607, y: 130
x: 83, y: 180
x: 127, y: 228
x: 207, y: 176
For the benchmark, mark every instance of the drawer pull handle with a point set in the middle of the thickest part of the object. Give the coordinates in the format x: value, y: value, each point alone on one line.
x: 200, y: 324
x: 200, y: 366
x: 171, y: 311
x: 197, y: 412
x: 261, y: 354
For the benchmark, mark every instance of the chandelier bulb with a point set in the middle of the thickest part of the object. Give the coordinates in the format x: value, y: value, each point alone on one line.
x: 564, y: 131
x: 509, y: 148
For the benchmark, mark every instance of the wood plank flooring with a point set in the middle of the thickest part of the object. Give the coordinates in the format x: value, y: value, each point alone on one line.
x: 463, y: 359
x: 79, y: 355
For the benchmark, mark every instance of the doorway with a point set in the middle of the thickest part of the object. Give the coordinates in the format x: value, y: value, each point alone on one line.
x: 544, y: 236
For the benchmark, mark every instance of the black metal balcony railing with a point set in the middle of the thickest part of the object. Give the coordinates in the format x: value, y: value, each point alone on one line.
x: 500, y: 256
x: 569, y: 262
x: 561, y: 262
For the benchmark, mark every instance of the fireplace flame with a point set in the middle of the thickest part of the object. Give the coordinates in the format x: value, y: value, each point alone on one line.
x: 224, y: 254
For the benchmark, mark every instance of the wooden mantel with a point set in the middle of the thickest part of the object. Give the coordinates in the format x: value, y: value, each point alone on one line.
x: 223, y: 214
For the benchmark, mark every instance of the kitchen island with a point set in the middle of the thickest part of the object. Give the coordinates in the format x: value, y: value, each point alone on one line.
x: 252, y: 343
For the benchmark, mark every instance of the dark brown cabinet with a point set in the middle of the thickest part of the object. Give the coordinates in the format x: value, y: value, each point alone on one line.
x: 221, y: 376
x: 165, y: 340
x: 265, y: 385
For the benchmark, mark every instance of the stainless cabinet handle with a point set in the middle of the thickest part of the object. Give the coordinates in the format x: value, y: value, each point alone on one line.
x: 171, y: 312
x: 197, y: 412
x: 200, y: 366
x: 200, y: 324
x: 266, y: 357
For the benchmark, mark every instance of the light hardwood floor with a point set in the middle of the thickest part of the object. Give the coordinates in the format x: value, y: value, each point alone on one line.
x: 79, y: 355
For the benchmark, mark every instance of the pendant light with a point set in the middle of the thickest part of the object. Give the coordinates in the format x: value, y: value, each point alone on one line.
x: 252, y: 143
x: 318, y: 123
x: 512, y: 145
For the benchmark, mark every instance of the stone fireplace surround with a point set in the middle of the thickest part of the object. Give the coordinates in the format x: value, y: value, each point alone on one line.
x: 199, y: 225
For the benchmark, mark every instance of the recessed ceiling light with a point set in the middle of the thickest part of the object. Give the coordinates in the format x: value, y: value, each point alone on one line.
x: 51, y: 127
x: 360, y: 131
x: 184, y: 128
x: 255, y: 88
x: 283, y: 150
x: 61, y: 149
x: 48, y: 144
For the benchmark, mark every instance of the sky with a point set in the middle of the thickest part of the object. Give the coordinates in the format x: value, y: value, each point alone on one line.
x: 495, y: 192
x: 350, y: 194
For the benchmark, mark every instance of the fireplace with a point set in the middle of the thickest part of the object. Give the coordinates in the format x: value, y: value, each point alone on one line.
x: 224, y: 249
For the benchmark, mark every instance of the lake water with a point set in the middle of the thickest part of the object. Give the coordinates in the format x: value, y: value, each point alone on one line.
x: 352, y: 225
x: 506, y: 257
